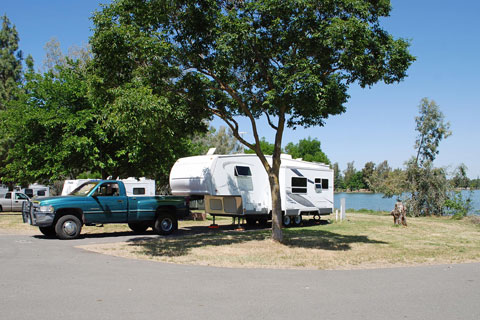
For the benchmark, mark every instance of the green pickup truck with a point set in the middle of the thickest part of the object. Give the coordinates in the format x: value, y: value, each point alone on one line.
x: 101, y: 202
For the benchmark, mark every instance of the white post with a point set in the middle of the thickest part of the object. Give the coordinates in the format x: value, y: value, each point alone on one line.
x: 336, y: 215
x: 342, y: 209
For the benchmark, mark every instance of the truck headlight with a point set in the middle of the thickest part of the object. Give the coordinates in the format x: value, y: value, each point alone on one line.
x: 46, y: 209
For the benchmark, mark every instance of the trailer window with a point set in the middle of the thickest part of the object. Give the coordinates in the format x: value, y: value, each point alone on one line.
x: 138, y: 191
x: 318, y: 185
x: 242, y: 171
x: 41, y: 193
x: 299, y: 185
x: 324, y: 183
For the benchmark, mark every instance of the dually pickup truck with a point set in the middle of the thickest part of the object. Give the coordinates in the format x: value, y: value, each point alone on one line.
x: 12, y: 201
x: 101, y: 202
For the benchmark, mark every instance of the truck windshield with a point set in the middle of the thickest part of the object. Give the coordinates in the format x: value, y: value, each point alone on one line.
x: 83, y: 189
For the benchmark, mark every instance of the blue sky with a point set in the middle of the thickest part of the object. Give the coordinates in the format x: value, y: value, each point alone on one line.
x: 379, y: 122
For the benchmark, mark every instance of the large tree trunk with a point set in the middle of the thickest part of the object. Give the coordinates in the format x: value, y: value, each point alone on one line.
x: 277, y: 234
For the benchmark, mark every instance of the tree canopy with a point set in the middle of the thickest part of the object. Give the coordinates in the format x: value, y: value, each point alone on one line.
x: 291, y: 61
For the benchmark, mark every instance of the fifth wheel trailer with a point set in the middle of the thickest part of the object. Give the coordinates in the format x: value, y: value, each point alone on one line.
x: 238, y: 186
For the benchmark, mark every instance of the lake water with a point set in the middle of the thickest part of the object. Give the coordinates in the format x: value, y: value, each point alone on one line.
x: 376, y: 201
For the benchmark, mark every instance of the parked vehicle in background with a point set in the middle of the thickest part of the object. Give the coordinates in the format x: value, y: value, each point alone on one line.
x: 237, y: 185
x: 12, y: 201
x: 101, y: 202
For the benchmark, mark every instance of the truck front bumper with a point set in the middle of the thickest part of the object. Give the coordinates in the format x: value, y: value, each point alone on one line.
x: 32, y: 215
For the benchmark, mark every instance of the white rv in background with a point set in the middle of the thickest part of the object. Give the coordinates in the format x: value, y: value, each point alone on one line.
x: 36, y: 190
x: 133, y: 186
x: 238, y: 186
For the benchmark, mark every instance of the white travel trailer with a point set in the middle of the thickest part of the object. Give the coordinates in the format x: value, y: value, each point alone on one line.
x: 133, y: 186
x: 238, y: 186
x: 37, y: 190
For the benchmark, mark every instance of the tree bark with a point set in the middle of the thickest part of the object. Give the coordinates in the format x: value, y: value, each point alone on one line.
x: 277, y: 234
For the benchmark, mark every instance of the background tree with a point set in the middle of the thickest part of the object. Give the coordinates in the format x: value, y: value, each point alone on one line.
x: 379, y: 175
x: 428, y: 185
x: 290, y: 61
x: 266, y: 147
x: 308, y: 150
x: 460, y: 179
x: 431, y: 129
x: 11, y: 63
x: 54, y: 56
x: 367, y: 173
x: 337, y: 177
x: 222, y: 140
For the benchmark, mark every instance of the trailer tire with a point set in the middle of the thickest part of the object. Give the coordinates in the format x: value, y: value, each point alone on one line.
x: 138, y: 227
x: 165, y: 224
x: 68, y: 227
x: 48, y: 231
x: 1, y: 209
x: 297, y: 220
x: 287, y: 221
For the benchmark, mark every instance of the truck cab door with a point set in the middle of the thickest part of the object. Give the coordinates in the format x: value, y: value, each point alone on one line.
x: 20, y: 198
x: 111, y: 206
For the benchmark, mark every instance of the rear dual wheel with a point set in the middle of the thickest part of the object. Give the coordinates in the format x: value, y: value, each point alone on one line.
x: 139, y: 227
x: 165, y: 224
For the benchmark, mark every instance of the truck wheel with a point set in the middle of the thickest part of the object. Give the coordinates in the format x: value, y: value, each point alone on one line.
x: 48, y: 231
x: 138, y: 227
x: 297, y: 220
x: 165, y: 224
x: 68, y: 227
x: 1, y: 209
x: 287, y: 221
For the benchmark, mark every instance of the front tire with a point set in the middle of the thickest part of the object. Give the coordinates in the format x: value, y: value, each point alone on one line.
x: 48, y: 231
x: 165, y: 224
x: 138, y: 227
x: 68, y: 227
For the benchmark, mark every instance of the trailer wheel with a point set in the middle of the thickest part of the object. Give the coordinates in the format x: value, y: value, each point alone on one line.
x: 287, y: 221
x: 48, y: 231
x: 1, y: 209
x: 297, y: 220
x: 165, y: 224
x: 138, y: 227
x: 68, y: 227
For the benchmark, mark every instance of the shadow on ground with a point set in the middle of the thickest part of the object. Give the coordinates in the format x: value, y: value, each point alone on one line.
x: 189, y: 238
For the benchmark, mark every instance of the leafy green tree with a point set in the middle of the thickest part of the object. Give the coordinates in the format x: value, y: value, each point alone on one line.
x: 460, y: 179
x: 379, y: 176
x: 431, y: 129
x: 290, y: 61
x: 308, y: 150
x: 10, y: 62
x: 52, y: 126
x: 428, y: 185
x: 337, y: 177
x: 367, y: 173
x: 266, y: 147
